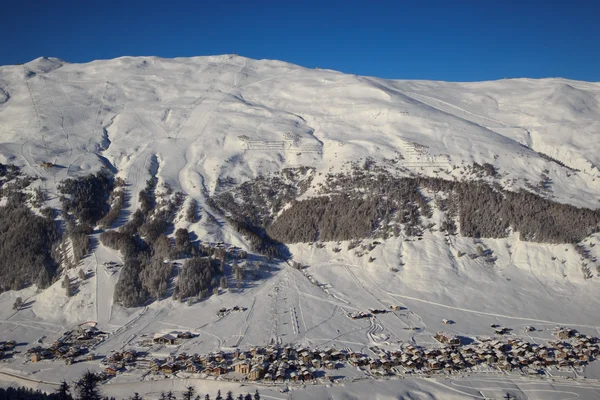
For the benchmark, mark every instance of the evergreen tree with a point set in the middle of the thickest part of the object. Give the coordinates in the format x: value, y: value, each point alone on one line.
x: 18, y: 303
x: 63, y: 392
x: 219, y: 397
x: 87, y: 387
x: 136, y: 396
x: 229, y: 396
x: 256, y: 395
x: 189, y: 393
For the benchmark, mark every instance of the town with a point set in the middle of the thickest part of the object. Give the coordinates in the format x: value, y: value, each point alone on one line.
x: 291, y: 363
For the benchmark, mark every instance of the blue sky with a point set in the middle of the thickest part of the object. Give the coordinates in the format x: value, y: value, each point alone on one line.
x: 445, y: 40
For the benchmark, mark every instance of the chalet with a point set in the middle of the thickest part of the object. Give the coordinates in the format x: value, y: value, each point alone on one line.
x: 306, y: 356
x: 280, y: 375
x: 434, y: 364
x: 185, y: 335
x: 155, y: 364
x: 255, y: 373
x: 505, y: 366
x: 129, y: 355
x: 90, y: 357
x: 446, y: 338
x: 267, y: 377
x: 36, y: 357
x: 110, y: 370
x: 330, y: 365
x: 193, y: 368
x: 242, y: 367
x: 218, y: 370
x: 373, y: 364
x: 168, y: 368
x: 307, y: 375
x: 564, y: 333
x: 164, y: 338
x: 219, y: 357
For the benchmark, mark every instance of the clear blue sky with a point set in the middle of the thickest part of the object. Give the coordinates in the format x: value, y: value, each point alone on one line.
x: 447, y: 40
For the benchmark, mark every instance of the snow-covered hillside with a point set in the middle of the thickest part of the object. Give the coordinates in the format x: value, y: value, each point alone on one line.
x: 206, y: 124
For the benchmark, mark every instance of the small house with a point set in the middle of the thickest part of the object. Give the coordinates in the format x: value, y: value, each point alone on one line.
x: 168, y: 368
x: 242, y: 367
x: 165, y: 338
x: 255, y: 374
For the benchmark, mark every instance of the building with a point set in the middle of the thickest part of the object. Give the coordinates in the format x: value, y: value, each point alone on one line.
x: 164, y: 338
x: 446, y: 338
x: 242, y: 367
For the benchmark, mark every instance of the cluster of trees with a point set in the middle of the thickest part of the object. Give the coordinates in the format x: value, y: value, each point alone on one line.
x: 255, y: 202
x: 484, y: 211
x: 251, y: 206
x: 191, y: 212
x: 375, y: 203
x: 26, y: 248
x: 86, y: 198
x: 485, y: 169
x: 196, y: 279
x: 146, y: 272
x: 147, y: 197
x: 358, y: 205
x: 80, y: 240
x: 116, y: 201
x: 88, y: 388
x: 9, y: 172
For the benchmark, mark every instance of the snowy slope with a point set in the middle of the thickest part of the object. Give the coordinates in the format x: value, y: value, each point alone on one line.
x: 192, y: 121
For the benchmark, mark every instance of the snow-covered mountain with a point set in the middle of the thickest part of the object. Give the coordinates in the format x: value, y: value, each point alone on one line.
x: 207, y: 126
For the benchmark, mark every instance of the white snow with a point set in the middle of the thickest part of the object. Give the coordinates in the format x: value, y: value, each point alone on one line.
x: 193, y: 120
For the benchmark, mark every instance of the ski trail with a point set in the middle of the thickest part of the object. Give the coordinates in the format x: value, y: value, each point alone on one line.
x: 62, y: 116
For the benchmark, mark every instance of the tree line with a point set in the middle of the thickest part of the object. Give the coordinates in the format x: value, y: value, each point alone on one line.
x: 88, y: 388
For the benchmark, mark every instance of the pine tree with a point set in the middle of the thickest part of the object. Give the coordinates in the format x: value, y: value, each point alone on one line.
x: 170, y: 396
x: 136, y: 396
x: 207, y: 397
x: 69, y: 290
x: 229, y: 396
x: 189, y: 393
x: 63, y: 392
x: 87, y: 387
x: 18, y: 303
x: 256, y: 395
x: 219, y: 397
